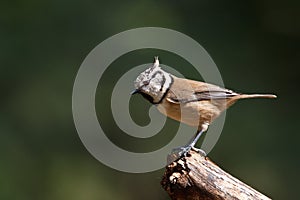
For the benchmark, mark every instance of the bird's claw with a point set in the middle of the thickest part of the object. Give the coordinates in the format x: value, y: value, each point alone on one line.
x: 200, y: 151
x: 180, y: 152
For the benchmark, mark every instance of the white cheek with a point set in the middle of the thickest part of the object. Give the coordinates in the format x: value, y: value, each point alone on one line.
x: 155, y: 85
x: 147, y: 89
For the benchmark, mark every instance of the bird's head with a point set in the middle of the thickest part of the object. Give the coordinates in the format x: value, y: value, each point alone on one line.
x: 153, y: 83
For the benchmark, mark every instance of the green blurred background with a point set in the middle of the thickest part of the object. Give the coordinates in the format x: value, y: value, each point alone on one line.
x: 254, y: 43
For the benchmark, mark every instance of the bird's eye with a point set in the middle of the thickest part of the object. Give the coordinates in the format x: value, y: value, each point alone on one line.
x: 146, y: 82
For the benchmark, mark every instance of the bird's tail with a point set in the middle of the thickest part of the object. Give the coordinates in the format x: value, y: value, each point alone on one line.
x: 248, y: 96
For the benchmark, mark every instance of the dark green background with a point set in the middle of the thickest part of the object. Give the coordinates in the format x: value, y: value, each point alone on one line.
x: 255, y: 44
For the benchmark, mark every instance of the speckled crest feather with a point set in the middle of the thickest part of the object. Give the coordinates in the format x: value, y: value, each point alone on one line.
x: 154, y: 82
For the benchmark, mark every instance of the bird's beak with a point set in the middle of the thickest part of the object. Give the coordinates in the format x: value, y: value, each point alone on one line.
x: 135, y: 91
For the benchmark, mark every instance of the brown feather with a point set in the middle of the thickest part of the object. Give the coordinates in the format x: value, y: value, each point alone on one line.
x: 196, y: 103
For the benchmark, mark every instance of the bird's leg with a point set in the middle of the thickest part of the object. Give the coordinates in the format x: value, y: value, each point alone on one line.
x: 182, y: 151
x: 192, y: 143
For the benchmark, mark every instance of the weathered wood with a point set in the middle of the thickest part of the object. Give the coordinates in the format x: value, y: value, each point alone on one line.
x: 195, y: 177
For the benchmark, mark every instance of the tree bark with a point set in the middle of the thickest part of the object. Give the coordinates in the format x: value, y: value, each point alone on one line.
x: 195, y: 177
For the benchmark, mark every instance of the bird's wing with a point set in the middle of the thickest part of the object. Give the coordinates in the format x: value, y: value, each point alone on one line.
x: 198, y: 91
x: 199, y: 96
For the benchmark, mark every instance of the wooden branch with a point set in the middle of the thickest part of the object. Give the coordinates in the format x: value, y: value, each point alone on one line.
x: 196, y: 177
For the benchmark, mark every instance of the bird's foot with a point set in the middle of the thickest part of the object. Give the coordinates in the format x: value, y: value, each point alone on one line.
x: 183, y: 151
x: 200, y: 151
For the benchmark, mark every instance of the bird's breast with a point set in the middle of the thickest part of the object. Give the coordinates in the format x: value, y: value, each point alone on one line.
x: 189, y: 113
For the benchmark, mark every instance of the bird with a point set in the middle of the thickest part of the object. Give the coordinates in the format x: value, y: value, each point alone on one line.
x: 191, y: 102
